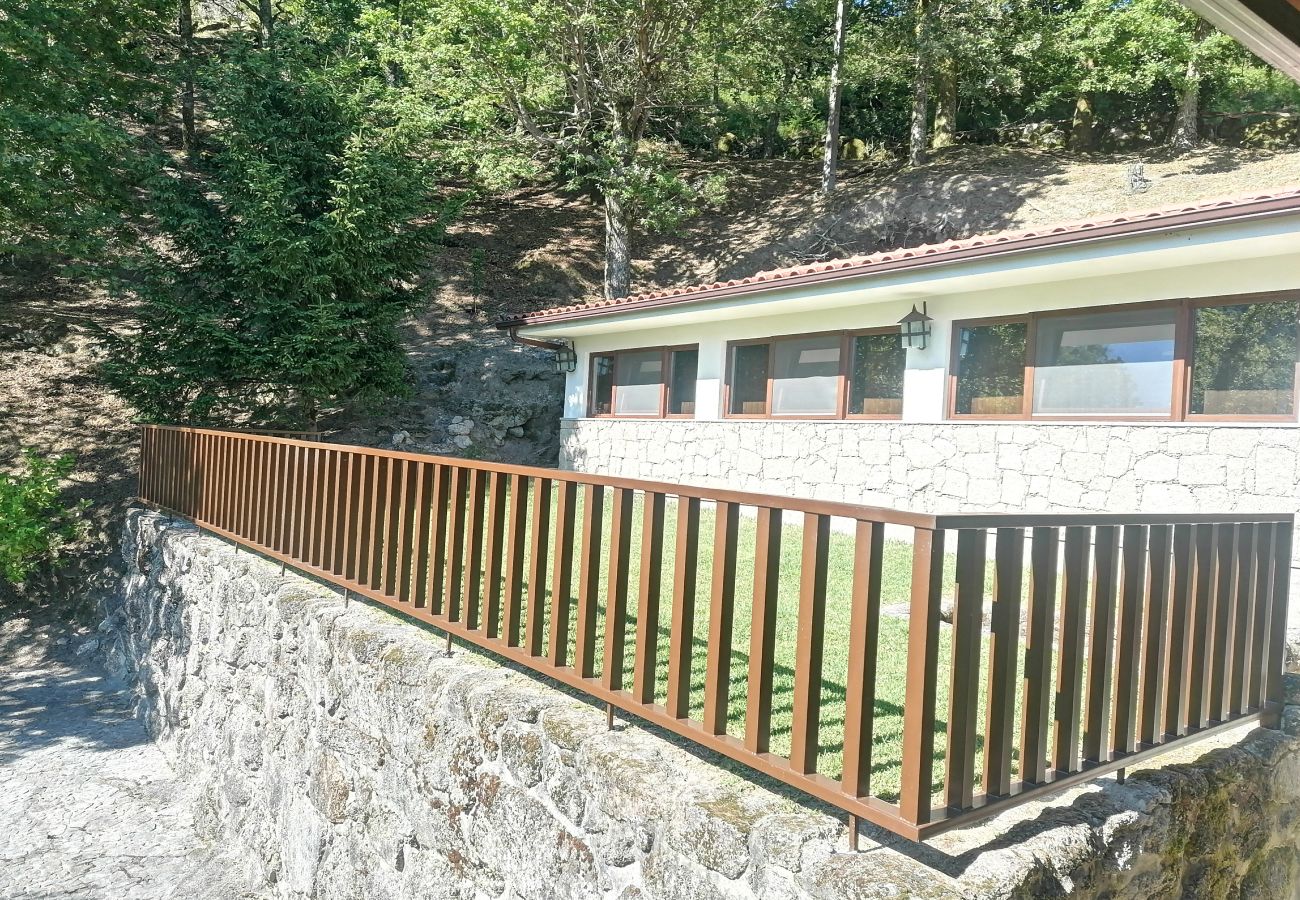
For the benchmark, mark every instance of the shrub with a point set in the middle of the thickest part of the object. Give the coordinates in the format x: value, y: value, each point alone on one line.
x: 34, y: 522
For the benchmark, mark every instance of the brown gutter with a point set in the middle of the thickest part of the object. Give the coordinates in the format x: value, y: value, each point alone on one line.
x: 993, y: 247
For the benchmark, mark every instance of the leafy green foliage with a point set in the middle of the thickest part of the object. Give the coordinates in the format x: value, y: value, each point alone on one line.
x: 78, y: 78
x: 294, y: 247
x: 34, y: 522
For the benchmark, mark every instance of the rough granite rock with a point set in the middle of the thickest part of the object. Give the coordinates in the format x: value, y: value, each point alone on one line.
x: 339, y: 747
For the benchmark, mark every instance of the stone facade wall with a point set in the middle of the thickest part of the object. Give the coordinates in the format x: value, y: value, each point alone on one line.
x: 962, y: 466
x: 351, y: 756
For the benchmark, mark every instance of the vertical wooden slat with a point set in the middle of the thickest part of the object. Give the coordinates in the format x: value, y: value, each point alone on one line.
x: 922, y: 671
x: 538, y: 543
x: 333, y: 494
x: 806, y: 720
x: 722, y: 605
x: 963, y: 693
x: 381, y: 495
x: 512, y: 617
x: 593, y: 522
x: 393, y: 495
x: 473, y: 592
x: 1263, y: 591
x: 1069, y: 676
x: 352, y: 515
x: 1225, y: 614
x: 1128, y: 650
x: 422, y: 516
x: 1039, y: 632
x: 1281, y: 588
x: 620, y: 546
x: 455, y: 543
x: 647, y: 616
x: 762, y: 632
x: 1101, y: 651
x: 1155, y: 632
x: 496, y: 523
x: 320, y: 520
x: 408, y: 535
x: 306, y: 502
x: 682, y: 634
x: 1180, y: 630
x: 1198, y: 669
x: 292, y: 474
x: 1244, y: 627
x: 1004, y: 648
x: 864, y: 639
x: 365, y: 516
x: 439, y: 516
x: 562, y: 576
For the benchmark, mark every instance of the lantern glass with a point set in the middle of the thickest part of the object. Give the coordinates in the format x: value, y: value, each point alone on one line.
x: 913, y: 329
x: 566, y: 359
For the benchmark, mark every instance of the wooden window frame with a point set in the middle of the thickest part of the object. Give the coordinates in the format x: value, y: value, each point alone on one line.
x: 666, y: 353
x: 1184, y: 350
x: 846, y: 338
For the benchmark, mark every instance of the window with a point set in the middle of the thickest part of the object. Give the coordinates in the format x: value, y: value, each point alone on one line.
x: 645, y: 383
x: 684, y: 367
x: 602, y: 385
x: 990, y: 369
x: 876, y: 376
x: 1244, y: 359
x: 817, y: 376
x: 806, y: 376
x: 1107, y: 363
x: 1233, y: 358
x: 748, y: 380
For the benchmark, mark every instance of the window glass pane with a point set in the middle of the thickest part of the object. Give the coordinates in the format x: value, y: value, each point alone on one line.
x: 876, y: 379
x: 1110, y: 363
x: 1243, y: 359
x: 991, y: 369
x: 640, y: 376
x: 602, y: 385
x: 749, y: 380
x: 681, y: 385
x: 806, y: 376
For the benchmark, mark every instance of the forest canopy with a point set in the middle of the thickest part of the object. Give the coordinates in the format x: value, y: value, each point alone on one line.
x: 266, y: 180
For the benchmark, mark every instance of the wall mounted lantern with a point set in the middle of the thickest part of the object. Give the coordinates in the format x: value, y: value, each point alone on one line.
x: 914, y: 328
x: 566, y: 358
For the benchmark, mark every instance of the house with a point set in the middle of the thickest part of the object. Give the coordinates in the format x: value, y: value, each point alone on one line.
x: 1146, y: 362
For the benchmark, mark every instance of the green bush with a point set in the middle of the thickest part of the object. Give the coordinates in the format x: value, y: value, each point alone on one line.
x: 34, y: 522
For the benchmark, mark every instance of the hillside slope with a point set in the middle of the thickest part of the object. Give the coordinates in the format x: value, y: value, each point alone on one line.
x: 537, y: 247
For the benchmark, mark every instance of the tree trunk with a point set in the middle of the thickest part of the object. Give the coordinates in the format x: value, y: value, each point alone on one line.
x: 618, y: 249
x: 265, y: 20
x: 945, y: 104
x: 1186, y: 132
x: 831, y: 153
x: 920, y: 87
x: 185, y: 27
x: 1083, y: 135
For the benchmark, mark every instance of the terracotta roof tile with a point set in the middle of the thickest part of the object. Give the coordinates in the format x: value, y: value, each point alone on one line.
x: 1284, y: 199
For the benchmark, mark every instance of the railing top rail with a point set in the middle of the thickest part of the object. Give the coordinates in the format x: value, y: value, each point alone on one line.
x: 1064, y: 520
x: 718, y: 495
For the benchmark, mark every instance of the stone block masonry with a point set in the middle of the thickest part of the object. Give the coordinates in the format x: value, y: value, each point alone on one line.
x: 343, y: 752
x: 964, y: 466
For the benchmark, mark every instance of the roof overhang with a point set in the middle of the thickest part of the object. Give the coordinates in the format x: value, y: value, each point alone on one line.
x: 1268, y: 28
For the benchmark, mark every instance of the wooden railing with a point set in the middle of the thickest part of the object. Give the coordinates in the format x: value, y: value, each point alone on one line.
x: 1078, y: 644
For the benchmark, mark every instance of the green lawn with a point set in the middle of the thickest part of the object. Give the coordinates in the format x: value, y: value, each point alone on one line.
x: 892, y: 662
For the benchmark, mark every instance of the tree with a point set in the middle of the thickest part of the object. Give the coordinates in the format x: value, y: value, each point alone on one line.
x: 80, y: 83
x: 917, y: 135
x: 830, y: 158
x: 294, y: 244
x: 584, y: 82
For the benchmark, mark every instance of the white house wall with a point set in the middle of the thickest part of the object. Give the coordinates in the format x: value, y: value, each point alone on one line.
x: 926, y: 464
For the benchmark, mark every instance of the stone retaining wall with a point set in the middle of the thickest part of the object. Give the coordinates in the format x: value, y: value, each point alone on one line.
x: 350, y: 756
